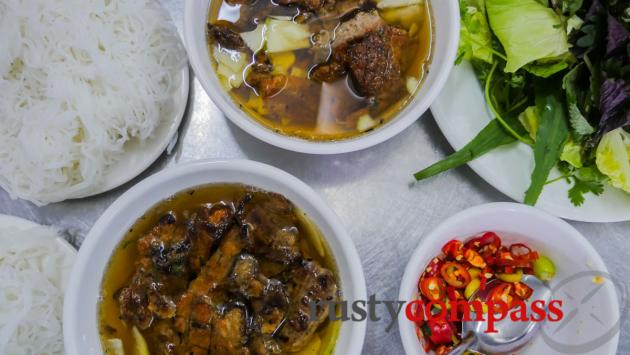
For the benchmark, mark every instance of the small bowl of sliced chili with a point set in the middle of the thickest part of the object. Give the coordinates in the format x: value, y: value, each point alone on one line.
x: 499, y: 243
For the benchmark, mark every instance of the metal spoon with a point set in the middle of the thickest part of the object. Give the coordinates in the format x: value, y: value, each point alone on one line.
x: 510, y: 336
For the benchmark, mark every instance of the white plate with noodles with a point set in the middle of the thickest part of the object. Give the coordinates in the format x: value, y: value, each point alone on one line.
x: 141, y: 154
x: 35, y: 265
x: 461, y: 112
x: 22, y: 224
x: 93, y: 93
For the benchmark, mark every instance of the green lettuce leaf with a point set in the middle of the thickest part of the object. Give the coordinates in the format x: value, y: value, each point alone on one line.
x: 548, y: 67
x: 574, y: 23
x: 613, y: 158
x: 529, y: 31
x: 475, y: 36
x: 572, y: 153
x: 530, y: 120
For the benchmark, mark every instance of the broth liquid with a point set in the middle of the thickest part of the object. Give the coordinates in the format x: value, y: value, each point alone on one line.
x: 324, y: 124
x: 121, y: 266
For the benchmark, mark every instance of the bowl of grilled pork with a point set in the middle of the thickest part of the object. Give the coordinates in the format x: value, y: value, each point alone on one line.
x: 221, y: 257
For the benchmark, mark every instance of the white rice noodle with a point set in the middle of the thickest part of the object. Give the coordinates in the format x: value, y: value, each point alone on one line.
x: 78, y: 80
x: 32, y: 269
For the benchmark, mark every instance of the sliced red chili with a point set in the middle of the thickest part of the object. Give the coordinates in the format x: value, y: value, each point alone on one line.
x: 533, y: 256
x: 488, y: 272
x: 450, y: 292
x: 433, y: 288
x: 488, y: 238
x: 447, y: 276
x: 523, y: 254
x: 490, y: 244
x: 441, y: 332
x: 490, y: 259
x: 503, y: 293
x: 434, y: 267
x: 491, y: 238
x: 474, y: 258
x: 505, y: 258
x: 453, y: 293
x: 455, y: 274
x: 454, y: 249
x: 519, y: 249
x: 522, y: 290
x: 424, y: 337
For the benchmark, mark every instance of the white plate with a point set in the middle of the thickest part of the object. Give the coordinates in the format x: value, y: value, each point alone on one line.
x: 23, y: 224
x: 139, y: 155
x: 461, y: 112
x: 591, y: 318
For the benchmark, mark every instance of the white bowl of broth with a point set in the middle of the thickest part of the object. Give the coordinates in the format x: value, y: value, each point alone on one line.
x: 148, y: 254
x: 322, y: 76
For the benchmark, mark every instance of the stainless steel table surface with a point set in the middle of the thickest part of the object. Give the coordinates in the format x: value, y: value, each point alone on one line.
x: 371, y: 191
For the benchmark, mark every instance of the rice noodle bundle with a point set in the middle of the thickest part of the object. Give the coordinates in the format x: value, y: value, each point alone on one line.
x: 78, y: 80
x: 32, y: 267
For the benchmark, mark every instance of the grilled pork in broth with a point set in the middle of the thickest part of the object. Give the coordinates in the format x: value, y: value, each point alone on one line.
x: 223, y: 269
x: 321, y: 69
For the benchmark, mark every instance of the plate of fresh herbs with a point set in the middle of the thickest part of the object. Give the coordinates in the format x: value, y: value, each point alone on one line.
x: 539, y: 104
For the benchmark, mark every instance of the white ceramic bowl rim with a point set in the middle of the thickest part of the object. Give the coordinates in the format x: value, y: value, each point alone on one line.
x: 80, y: 300
x: 445, y: 41
x: 436, y: 237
